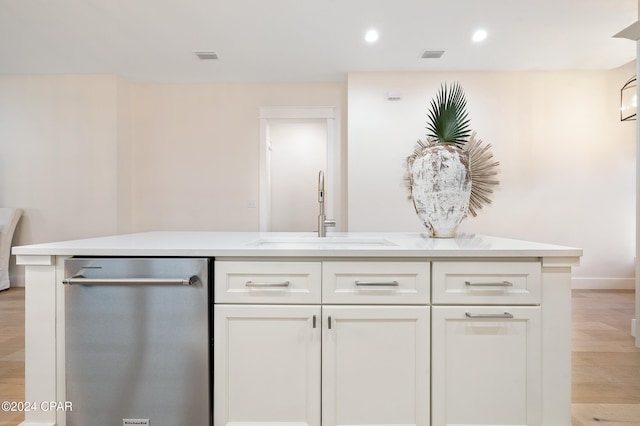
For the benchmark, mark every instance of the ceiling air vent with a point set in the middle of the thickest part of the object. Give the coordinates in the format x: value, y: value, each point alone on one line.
x: 206, y: 56
x: 432, y: 54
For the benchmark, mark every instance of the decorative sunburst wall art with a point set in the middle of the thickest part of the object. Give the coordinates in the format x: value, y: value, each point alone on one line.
x: 484, y: 172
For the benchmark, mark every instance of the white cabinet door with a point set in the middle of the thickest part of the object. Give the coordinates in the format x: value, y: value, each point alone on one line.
x: 486, y: 371
x: 375, y: 365
x: 266, y: 365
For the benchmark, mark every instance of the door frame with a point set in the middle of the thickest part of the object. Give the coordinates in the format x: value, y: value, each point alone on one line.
x: 270, y: 114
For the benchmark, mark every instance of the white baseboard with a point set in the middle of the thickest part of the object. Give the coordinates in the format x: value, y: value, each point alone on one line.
x: 603, y: 283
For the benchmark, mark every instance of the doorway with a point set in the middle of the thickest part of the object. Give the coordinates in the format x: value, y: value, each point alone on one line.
x: 297, y: 150
x: 296, y: 143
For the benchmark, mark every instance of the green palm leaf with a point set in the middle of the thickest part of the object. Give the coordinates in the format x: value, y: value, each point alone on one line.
x: 447, y: 119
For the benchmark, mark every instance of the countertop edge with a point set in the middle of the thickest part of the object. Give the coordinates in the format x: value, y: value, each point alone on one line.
x: 242, y: 244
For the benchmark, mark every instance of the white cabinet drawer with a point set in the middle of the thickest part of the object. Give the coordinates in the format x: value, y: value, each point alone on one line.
x: 380, y: 282
x: 486, y: 283
x: 267, y: 282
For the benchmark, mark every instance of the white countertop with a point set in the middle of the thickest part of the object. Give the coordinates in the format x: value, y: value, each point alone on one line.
x: 271, y: 244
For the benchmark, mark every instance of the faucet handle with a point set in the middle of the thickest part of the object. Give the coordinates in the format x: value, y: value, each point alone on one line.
x: 329, y: 222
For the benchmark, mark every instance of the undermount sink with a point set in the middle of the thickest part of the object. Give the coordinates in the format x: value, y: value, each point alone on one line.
x: 321, y: 242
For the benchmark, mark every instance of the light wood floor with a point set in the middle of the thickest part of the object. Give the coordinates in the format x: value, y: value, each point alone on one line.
x: 11, y: 352
x: 606, y: 364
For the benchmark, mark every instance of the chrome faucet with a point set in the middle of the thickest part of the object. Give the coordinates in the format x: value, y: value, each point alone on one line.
x: 323, y: 222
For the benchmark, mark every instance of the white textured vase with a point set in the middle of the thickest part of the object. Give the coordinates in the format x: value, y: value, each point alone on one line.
x: 441, y: 187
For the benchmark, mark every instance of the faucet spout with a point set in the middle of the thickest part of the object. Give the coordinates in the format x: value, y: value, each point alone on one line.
x: 323, y: 222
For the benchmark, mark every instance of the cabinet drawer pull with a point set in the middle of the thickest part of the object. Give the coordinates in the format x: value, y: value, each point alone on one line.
x: 267, y: 284
x: 378, y: 283
x: 506, y: 315
x: 314, y: 321
x: 329, y: 322
x: 489, y: 284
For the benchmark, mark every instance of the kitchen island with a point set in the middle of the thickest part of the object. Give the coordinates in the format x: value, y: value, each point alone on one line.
x: 372, y: 328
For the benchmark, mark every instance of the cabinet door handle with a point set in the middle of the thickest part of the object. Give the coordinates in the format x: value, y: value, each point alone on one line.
x: 377, y: 283
x: 329, y: 322
x: 506, y: 315
x: 267, y: 284
x: 489, y: 284
x: 314, y: 321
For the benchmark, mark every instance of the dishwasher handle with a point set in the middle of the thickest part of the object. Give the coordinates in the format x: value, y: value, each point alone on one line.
x: 81, y: 280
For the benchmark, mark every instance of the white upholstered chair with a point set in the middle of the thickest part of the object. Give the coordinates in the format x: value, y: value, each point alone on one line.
x: 8, y: 221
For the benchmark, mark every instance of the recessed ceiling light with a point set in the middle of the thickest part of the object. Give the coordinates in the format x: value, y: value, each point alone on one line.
x: 371, y: 36
x: 479, y: 35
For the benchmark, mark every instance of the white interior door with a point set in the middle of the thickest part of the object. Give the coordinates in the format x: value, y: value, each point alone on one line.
x: 306, y: 160
x: 298, y: 151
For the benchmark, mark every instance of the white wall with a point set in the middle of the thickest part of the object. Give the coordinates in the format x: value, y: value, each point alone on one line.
x: 196, y: 151
x: 58, y: 159
x: 567, y: 162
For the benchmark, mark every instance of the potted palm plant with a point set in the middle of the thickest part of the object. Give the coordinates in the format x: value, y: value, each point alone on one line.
x: 447, y: 118
x: 441, y: 170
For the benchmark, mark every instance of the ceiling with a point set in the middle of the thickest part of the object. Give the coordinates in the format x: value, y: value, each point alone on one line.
x: 307, y: 40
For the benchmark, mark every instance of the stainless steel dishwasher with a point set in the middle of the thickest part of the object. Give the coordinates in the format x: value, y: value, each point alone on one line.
x: 137, y: 341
